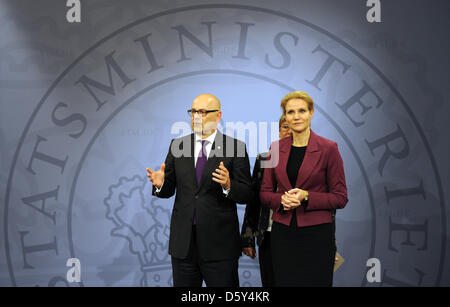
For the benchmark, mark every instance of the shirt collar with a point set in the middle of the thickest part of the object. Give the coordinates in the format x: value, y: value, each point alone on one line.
x: 210, y: 138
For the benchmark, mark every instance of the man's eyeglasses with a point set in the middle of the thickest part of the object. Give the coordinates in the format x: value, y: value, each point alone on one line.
x: 202, y: 112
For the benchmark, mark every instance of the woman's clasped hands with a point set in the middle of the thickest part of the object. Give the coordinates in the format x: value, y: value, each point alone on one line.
x: 292, y: 199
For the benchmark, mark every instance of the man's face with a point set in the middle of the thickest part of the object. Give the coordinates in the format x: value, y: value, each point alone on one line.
x: 205, y: 125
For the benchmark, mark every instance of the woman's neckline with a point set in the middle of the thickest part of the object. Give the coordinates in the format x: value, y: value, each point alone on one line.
x: 299, y: 146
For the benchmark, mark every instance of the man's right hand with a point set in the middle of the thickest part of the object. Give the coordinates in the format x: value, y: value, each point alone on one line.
x: 157, y: 177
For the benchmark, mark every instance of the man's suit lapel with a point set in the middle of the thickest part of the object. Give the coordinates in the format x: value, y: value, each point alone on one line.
x: 191, y: 161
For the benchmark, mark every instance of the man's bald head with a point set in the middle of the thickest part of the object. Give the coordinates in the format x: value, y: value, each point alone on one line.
x: 206, y: 125
x: 206, y: 101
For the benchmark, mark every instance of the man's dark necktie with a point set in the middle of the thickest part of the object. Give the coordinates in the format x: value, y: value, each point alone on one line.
x: 201, y: 161
x: 199, y: 167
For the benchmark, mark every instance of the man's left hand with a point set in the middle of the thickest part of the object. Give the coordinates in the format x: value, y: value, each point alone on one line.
x: 222, y: 176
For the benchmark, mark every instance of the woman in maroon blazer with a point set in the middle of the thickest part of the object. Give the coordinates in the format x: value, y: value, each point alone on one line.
x: 303, y: 183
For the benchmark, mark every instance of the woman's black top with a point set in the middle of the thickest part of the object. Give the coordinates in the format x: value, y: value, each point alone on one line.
x: 294, y: 162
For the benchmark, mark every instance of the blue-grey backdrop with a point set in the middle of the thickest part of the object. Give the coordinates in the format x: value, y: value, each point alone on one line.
x: 86, y: 107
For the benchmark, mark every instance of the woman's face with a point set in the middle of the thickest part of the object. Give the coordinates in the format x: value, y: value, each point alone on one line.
x: 285, y: 131
x: 298, y: 116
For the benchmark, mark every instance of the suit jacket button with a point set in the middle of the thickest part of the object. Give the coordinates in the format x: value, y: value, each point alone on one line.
x: 196, y: 196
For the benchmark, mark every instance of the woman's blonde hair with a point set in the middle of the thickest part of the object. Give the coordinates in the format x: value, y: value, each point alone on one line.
x: 297, y: 95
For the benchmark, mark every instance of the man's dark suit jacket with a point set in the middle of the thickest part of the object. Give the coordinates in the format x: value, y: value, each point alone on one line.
x: 217, y: 221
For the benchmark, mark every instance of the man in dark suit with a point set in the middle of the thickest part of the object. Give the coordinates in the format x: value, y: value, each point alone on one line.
x: 210, y: 173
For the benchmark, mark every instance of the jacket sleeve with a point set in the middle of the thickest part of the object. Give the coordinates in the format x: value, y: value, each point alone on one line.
x: 336, y: 197
x: 240, y: 190
x: 268, y: 194
x: 168, y: 187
